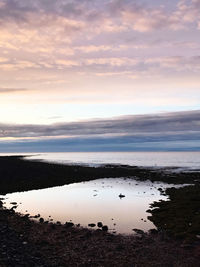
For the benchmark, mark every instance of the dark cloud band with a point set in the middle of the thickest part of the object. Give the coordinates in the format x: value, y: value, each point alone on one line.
x: 176, y: 123
x: 165, y: 131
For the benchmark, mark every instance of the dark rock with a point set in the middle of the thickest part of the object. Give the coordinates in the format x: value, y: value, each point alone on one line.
x: 138, y: 231
x: 120, y: 247
x: 14, y: 207
x: 26, y: 216
x: 105, y: 228
x: 153, y: 231
x: 121, y: 196
x: 160, y: 189
x: 43, y: 243
x: 186, y: 246
x: 53, y: 226
x: 100, y: 224
x: 92, y: 224
x: 37, y: 216
x: 88, y: 234
x: 13, y: 203
x: 69, y: 224
x: 41, y: 220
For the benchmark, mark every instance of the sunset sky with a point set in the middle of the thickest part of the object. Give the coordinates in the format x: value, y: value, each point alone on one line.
x: 67, y: 65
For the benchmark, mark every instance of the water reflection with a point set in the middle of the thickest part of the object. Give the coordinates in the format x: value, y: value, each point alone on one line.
x: 92, y: 202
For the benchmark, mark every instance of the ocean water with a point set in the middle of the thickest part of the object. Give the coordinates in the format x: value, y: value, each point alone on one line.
x: 183, y: 160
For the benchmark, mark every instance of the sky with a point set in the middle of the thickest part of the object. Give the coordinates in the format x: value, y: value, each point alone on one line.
x: 90, y: 64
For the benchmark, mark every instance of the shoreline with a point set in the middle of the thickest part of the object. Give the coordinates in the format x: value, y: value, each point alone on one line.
x: 49, y: 244
x: 27, y: 175
x: 28, y: 243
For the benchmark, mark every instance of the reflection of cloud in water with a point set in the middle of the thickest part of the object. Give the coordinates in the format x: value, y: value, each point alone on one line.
x: 77, y: 202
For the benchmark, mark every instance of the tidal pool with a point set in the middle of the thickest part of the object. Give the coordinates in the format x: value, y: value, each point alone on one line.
x: 92, y: 202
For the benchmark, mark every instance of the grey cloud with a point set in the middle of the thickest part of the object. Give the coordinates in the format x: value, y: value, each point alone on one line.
x: 13, y: 10
x: 117, y: 6
x: 19, y: 11
x: 176, y: 124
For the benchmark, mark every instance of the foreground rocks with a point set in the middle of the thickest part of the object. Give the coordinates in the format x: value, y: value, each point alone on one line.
x: 15, y: 250
x: 28, y: 243
x: 180, y: 215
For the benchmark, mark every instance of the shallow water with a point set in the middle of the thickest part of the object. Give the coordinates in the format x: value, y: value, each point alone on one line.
x: 92, y: 202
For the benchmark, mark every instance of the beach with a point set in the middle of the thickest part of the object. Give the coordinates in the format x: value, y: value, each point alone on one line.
x: 43, y: 243
x: 27, y: 243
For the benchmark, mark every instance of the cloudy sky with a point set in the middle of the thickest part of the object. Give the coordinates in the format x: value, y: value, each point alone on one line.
x: 106, y: 70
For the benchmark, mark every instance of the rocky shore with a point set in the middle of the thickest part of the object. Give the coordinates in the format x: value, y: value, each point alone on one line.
x: 25, y: 242
x: 28, y: 243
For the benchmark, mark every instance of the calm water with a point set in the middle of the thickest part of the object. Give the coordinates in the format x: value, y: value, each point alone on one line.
x: 189, y: 160
x: 92, y: 202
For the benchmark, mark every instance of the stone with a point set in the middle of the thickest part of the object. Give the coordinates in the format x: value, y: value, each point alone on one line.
x: 41, y: 220
x: 138, y: 231
x: 69, y: 224
x: 99, y: 224
x: 105, y: 228
x: 13, y: 203
x: 92, y: 224
x: 153, y: 231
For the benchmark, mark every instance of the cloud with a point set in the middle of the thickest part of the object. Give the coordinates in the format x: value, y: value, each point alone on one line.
x: 110, y: 16
x: 63, y: 31
x: 142, y: 18
x: 112, y: 61
x: 156, y: 132
x: 100, y: 51
x: 181, y: 123
x: 11, y: 90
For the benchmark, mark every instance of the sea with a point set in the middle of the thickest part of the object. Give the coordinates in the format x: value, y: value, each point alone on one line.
x: 179, y: 160
x: 99, y: 200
